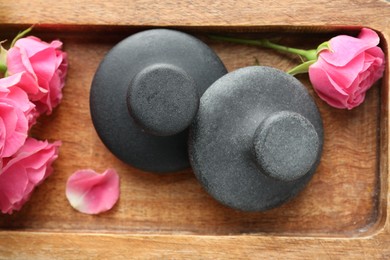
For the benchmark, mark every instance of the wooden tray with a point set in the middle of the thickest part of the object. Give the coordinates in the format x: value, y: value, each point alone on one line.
x: 343, y: 210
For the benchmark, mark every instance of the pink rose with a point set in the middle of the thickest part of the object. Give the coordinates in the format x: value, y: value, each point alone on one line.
x: 17, y: 113
x: 46, y: 63
x: 25, y: 170
x: 344, y: 72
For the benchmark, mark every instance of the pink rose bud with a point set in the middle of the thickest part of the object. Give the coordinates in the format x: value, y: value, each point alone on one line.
x: 344, y: 72
x: 93, y: 193
x: 17, y: 113
x: 46, y: 63
x: 25, y: 170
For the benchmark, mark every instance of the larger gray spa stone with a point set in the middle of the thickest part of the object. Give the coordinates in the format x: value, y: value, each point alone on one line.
x: 146, y: 93
x: 257, y: 138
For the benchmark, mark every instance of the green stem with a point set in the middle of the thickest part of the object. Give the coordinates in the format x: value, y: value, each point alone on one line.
x: 308, y: 54
x: 21, y: 35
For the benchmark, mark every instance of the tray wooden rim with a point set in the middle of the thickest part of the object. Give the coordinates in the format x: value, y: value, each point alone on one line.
x: 372, y: 242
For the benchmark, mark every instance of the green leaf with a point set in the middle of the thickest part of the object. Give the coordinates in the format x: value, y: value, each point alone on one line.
x: 323, y: 46
x: 301, y: 68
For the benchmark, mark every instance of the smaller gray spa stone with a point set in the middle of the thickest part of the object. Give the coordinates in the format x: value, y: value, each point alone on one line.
x: 163, y: 99
x: 257, y: 138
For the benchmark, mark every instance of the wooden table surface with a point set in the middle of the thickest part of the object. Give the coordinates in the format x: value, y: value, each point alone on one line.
x: 297, y: 16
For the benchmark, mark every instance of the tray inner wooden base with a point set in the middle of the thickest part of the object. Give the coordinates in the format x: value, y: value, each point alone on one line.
x: 341, y: 199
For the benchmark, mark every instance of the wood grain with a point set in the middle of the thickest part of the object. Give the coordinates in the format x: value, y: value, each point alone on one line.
x: 345, y: 13
x: 342, y: 213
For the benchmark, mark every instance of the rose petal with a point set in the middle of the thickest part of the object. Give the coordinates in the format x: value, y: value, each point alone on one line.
x: 344, y: 76
x: 369, y: 37
x: 93, y: 193
x: 334, y: 96
x: 15, y: 63
x: 22, y: 172
x: 24, y: 81
x: 32, y: 45
x: 345, y: 48
x: 56, y: 44
x: 16, y: 116
x: 44, y: 64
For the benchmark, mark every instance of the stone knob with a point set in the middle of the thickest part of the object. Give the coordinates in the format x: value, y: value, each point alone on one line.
x: 163, y: 99
x: 285, y: 146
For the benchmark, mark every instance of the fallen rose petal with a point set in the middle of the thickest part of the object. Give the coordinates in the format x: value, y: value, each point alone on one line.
x: 93, y: 193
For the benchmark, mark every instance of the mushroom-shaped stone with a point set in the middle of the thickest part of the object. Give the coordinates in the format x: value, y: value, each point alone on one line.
x: 257, y: 138
x: 146, y: 93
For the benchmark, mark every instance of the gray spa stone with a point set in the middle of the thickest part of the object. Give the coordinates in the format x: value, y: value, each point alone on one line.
x: 146, y: 93
x: 257, y: 138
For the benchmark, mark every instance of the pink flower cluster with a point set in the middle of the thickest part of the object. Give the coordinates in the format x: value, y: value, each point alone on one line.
x: 36, y: 75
